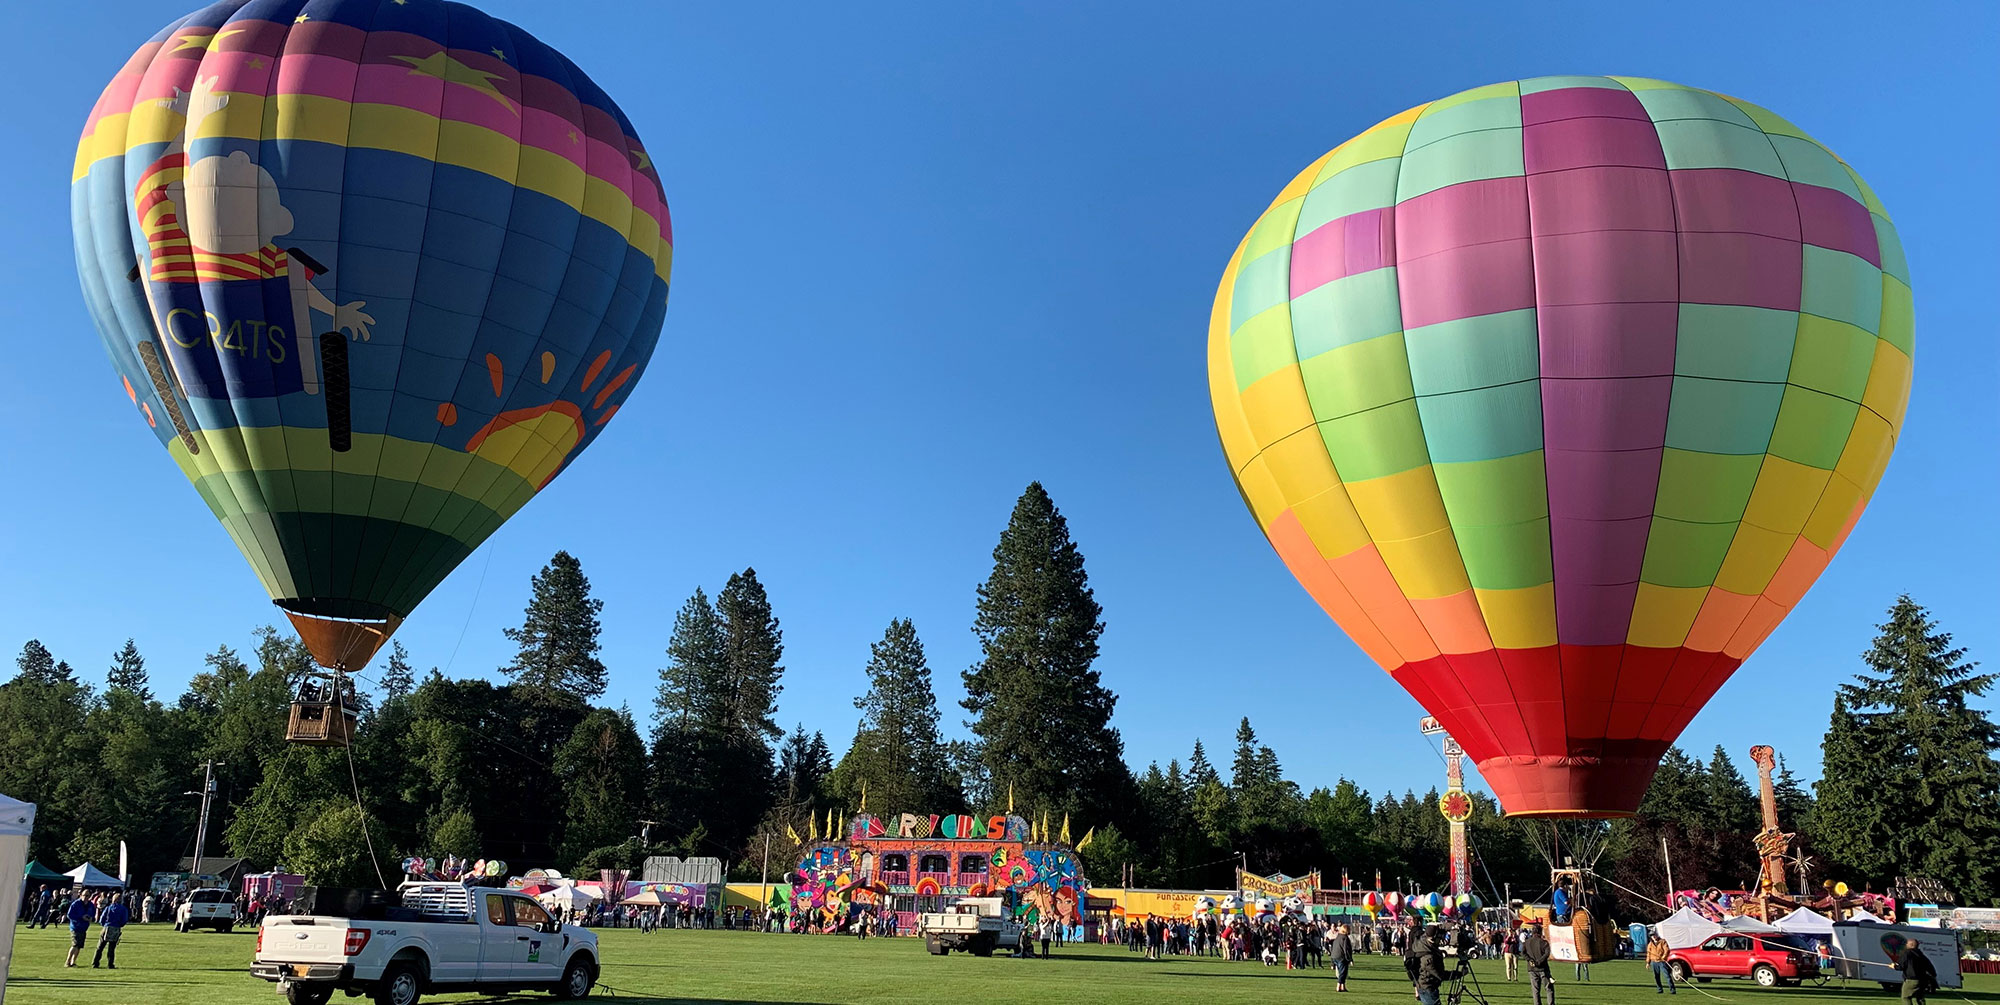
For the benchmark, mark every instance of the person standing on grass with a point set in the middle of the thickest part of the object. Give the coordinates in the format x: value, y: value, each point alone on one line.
x: 1429, y: 948
x: 1412, y: 947
x: 113, y: 920
x: 1510, y: 947
x: 1656, y: 960
x: 1339, y: 953
x: 81, y: 913
x: 1536, y: 950
x: 1919, y: 975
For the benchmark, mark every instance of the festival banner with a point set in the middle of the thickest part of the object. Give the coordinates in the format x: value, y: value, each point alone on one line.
x: 1278, y: 885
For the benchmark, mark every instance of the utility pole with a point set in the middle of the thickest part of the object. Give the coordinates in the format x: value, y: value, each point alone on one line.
x: 764, y: 879
x: 646, y: 832
x: 201, y: 827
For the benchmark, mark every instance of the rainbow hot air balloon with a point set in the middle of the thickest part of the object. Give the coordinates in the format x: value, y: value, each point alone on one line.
x: 374, y: 274
x: 1557, y: 395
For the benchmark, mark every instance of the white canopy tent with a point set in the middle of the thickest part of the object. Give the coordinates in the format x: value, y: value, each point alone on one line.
x: 1750, y: 926
x: 17, y: 820
x: 88, y: 875
x: 1806, y: 922
x: 1685, y: 929
x: 1861, y: 914
x: 565, y: 898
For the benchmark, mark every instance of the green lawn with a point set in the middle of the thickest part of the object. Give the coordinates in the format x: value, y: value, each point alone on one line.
x: 207, y: 968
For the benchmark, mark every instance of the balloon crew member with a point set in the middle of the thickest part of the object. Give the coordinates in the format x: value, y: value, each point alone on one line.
x: 1535, y: 949
x: 1919, y: 974
x: 1656, y: 960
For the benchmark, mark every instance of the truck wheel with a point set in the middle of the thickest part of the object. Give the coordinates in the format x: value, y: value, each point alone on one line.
x: 981, y: 947
x: 1681, y: 971
x: 400, y: 985
x: 308, y: 994
x: 576, y: 981
x: 1891, y: 986
x: 933, y: 946
x: 1765, y: 975
x: 226, y: 927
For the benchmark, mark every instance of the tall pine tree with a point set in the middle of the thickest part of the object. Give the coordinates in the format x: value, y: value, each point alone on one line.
x: 558, y: 637
x: 398, y: 679
x: 1910, y: 785
x: 128, y: 672
x: 1041, y: 711
x: 897, y: 753
x: 603, y: 768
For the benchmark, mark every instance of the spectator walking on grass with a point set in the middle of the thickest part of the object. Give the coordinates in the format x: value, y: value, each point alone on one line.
x: 81, y: 913
x: 1536, y: 950
x: 112, y: 922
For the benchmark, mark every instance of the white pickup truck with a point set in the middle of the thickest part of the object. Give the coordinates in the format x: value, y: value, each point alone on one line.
x: 976, y: 925
x: 444, y: 937
x: 206, y: 909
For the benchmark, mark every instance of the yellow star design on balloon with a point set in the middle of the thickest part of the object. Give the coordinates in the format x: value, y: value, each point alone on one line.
x: 497, y: 54
x: 256, y: 62
x: 302, y: 18
x: 205, y: 41
x: 445, y: 68
x: 572, y: 136
x: 640, y: 159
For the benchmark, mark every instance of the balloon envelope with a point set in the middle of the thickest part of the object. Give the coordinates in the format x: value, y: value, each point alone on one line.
x: 374, y: 274
x: 1557, y: 395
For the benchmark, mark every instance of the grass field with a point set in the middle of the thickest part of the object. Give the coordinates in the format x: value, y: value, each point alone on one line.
x: 206, y: 968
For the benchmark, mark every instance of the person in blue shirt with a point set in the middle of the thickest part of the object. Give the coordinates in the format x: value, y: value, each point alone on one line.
x: 80, y: 914
x: 113, y: 918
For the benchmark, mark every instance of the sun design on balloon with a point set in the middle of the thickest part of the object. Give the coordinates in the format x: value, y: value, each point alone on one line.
x: 534, y: 442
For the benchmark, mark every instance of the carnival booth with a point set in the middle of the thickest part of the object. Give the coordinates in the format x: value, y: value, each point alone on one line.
x: 1807, y: 923
x: 17, y: 821
x: 898, y: 867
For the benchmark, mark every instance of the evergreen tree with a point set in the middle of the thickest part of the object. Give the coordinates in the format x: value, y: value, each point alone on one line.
x: 603, y: 768
x: 1199, y: 772
x: 1732, y: 805
x: 1243, y: 772
x: 1935, y: 791
x: 128, y: 673
x: 752, y: 647
x: 1041, y: 712
x: 897, y: 753
x: 802, y: 768
x: 687, y: 710
x: 398, y: 679
x: 1852, y: 823
x: 39, y: 666
x: 558, y: 637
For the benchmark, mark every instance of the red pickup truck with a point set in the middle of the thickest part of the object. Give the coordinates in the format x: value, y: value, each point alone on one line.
x: 1761, y: 958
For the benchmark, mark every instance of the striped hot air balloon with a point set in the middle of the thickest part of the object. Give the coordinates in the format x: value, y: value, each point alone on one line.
x: 1557, y: 395
x: 374, y: 274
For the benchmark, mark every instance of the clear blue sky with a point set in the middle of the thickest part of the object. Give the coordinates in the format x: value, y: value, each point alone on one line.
x: 928, y: 253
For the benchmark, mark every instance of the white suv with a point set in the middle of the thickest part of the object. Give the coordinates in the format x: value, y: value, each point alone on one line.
x: 206, y: 909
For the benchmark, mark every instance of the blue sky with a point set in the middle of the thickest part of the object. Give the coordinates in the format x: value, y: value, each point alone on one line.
x: 929, y: 253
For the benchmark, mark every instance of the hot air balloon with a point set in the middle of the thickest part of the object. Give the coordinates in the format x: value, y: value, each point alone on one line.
x: 374, y: 274
x: 1557, y: 395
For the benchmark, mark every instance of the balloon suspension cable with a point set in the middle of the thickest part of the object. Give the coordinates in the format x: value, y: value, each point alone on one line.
x: 354, y: 779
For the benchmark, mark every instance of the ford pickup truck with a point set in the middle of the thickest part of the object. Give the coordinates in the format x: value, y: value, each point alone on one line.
x: 975, y: 925
x: 429, y: 937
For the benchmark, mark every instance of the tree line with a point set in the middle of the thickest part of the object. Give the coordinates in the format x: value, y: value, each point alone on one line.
x: 536, y: 771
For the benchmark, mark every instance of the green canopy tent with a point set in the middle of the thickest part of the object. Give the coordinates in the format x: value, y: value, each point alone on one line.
x: 39, y: 873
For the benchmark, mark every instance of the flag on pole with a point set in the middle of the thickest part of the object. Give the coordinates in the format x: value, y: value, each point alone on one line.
x: 1045, y: 826
x: 812, y: 826
x: 1087, y: 835
x: 1010, y: 799
x: 1065, y: 830
x: 829, y: 823
x: 864, y: 795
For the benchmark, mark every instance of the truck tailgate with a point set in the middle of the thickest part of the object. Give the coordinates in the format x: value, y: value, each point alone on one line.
x: 304, y: 940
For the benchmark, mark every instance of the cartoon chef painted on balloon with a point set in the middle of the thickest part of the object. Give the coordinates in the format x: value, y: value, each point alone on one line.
x: 232, y: 306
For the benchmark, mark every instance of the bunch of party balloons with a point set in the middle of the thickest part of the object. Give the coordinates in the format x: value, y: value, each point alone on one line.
x: 1431, y: 905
